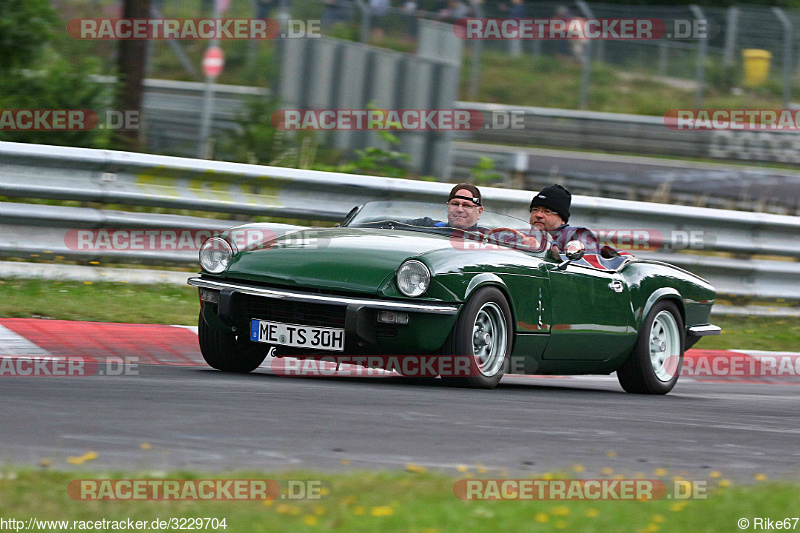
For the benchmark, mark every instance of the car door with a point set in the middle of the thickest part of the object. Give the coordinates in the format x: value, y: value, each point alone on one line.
x: 591, y: 312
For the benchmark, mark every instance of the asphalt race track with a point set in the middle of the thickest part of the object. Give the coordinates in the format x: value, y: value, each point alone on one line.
x: 191, y: 416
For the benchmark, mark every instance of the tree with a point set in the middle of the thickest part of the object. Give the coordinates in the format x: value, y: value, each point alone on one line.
x: 24, y: 26
x: 131, y: 68
x: 34, y: 74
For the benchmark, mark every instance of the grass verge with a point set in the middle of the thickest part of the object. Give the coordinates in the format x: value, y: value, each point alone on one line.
x: 170, y: 304
x: 551, y: 81
x: 754, y: 333
x: 398, y: 501
x: 100, y: 302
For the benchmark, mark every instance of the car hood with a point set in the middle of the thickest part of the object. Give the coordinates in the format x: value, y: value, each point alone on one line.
x: 344, y: 259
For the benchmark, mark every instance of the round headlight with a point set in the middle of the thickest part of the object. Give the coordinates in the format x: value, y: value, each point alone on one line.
x: 413, y: 278
x: 215, y: 255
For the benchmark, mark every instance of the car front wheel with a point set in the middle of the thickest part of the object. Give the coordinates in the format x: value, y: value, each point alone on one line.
x: 224, y: 351
x: 655, y: 363
x: 484, y: 336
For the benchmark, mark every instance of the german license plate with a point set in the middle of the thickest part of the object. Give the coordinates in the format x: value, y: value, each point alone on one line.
x: 297, y: 336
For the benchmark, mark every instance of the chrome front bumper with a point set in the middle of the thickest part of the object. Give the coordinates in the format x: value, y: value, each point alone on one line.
x: 297, y: 296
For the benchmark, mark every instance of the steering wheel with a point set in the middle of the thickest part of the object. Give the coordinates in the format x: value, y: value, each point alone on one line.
x: 522, y: 237
x: 498, y: 230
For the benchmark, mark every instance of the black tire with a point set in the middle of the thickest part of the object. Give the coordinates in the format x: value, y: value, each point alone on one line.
x: 485, y: 372
x: 641, y: 372
x: 225, y: 352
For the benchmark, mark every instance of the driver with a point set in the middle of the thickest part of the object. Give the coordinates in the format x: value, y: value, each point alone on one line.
x: 464, y: 209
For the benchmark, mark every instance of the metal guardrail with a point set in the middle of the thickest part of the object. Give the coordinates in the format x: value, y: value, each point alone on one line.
x: 51, y: 232
x: 718, y: 185
x: 39, y: 171
x: 172, y: 112
x: 591, y: 130
x: 172, y: 118
x: 620, y: 132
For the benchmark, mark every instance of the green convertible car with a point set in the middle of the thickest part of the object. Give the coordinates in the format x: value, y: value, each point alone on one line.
x: 393, y: 283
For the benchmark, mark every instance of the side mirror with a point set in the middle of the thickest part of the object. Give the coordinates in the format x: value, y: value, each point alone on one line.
x: 574, y: 252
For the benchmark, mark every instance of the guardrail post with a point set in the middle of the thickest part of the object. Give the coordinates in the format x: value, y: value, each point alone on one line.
x: 475, y: 64
x: 702, y: 51
x: 208, y: 102
x: 252, y: 45
x: 514, y: 47
x: 537, y: 47
x: 365, y: 20
x: 787, y: 55
x: 586, y: 59
x: 597, y: 48
x: 662, y: 57
x: 520, y: 171
x: 730, y: 35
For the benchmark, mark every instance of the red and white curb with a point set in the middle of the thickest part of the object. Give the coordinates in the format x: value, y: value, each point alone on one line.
x: 13, y: 344
x: 150, y: 344
x: 100, y: 341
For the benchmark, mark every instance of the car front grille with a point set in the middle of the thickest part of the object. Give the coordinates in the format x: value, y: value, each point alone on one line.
x: 306, y: 314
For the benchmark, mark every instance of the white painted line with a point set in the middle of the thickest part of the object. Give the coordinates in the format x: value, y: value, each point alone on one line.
x: 13, y: 269
x: 764, y: 353
x: 190, y: 328
x: 34, y: 357
x: 12, y: 344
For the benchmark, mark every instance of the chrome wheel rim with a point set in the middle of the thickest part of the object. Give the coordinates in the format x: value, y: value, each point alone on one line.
x: 665, y: 346
x: 489, y: 339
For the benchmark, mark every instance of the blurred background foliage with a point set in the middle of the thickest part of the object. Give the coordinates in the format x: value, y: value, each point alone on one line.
x: 36, y: 74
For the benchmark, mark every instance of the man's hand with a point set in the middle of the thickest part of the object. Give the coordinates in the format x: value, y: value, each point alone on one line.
x: 530, y: 242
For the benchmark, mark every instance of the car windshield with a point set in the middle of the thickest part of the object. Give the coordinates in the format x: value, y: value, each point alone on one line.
x: 490, y: 229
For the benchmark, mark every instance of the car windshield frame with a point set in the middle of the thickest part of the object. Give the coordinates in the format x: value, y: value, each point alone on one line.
x: 492, y: 230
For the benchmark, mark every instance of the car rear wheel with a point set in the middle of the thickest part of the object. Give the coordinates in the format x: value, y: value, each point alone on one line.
x: 227, y: 352
x: 655, y: 363
x: 484, y: 335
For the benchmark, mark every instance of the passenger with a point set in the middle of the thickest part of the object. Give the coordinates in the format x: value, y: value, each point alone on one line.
x: 550, y: 213
x: 464, y: 209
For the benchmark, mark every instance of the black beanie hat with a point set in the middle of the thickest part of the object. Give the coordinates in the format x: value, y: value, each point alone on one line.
x: 554, y: 197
